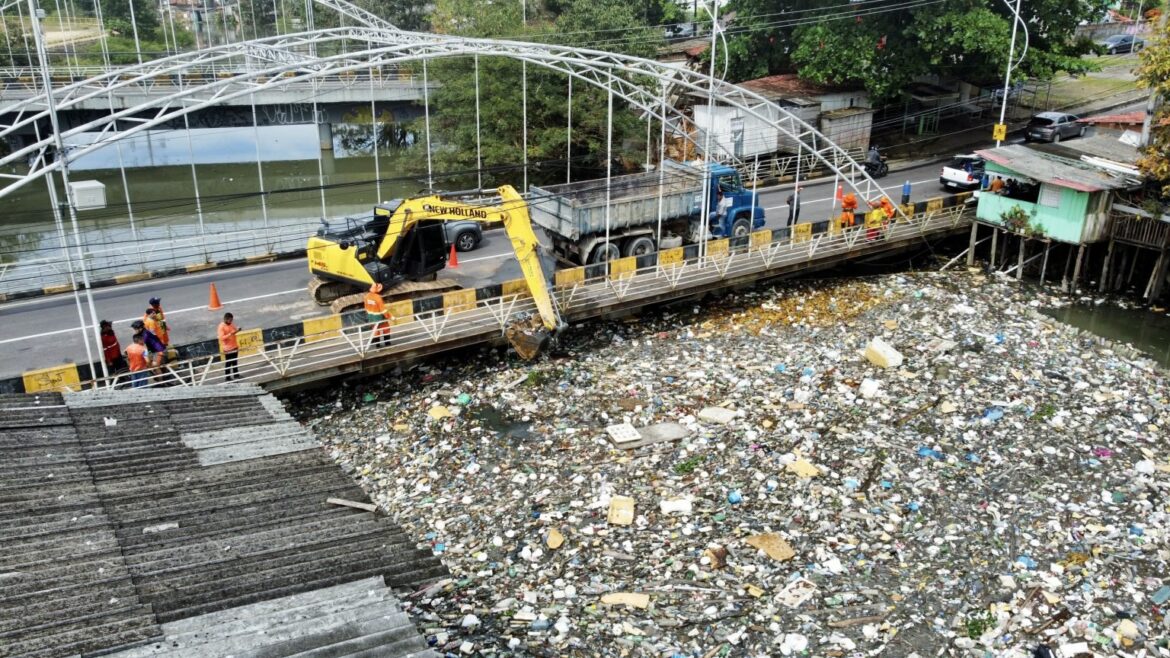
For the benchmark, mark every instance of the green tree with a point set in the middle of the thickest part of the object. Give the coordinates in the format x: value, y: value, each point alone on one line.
x: 883, y: 49
x: 607, y: 24
x: 1154, y: 74
x: 117, y: 16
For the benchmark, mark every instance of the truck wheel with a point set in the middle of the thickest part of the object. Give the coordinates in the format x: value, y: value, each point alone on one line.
x: 604, y: 252
x: 639, y: 246
x: 741, y: 227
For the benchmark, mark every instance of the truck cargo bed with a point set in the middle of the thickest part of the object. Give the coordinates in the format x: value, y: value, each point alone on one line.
x: 575, y: 209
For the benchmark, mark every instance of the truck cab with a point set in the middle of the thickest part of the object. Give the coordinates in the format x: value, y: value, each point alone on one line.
x: 745, y: 214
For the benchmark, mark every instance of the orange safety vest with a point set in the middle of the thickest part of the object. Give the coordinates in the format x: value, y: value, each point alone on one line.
x: 849, y: 202
x: 888, y: 208
x: 375, y: 305
x: 158, y: 326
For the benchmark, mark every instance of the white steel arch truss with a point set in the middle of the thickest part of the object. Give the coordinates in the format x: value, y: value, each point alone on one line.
x: 272, y: 62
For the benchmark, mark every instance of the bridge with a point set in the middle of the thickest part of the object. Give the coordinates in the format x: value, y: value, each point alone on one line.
x: 388, y: 84
x: 323, y: 347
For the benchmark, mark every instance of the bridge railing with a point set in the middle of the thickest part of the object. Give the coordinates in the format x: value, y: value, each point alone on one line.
x: 158, y: 250
x: 339, y: 344
x: 21, y: 82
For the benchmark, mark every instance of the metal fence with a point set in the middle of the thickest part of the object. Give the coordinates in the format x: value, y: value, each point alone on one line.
x: 579, y: 293
x: 166, y: 248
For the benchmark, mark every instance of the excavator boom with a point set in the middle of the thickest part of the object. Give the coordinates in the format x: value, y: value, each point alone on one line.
x: 341, y: 261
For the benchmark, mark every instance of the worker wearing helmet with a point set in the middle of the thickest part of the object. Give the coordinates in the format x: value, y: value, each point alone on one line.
x: 377, y: 313
x: 888, y: 207
x: 156, y: 322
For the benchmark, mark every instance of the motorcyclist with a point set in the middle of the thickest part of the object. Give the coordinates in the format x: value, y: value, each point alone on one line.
x: 874, y: 156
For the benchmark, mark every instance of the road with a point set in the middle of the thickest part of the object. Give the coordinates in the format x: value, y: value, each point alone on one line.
x: 44, y: 332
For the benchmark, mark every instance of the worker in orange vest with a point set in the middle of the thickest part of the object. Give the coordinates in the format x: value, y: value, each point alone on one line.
x: 157, y: 324
x: 376, y: 312
x: 888, y: 208
x: 846, y: 219
x: 849, y: 205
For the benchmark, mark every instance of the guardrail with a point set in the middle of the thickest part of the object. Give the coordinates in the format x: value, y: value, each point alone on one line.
x: 775, y: 168
x: 156, y: 254
x: 324, y: 347
x: 20, y: 83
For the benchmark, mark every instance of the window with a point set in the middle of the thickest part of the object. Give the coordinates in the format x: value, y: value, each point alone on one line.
x: 1050, y: 196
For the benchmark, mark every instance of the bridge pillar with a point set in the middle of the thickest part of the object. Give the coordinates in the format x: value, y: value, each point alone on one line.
x: 325, y: 133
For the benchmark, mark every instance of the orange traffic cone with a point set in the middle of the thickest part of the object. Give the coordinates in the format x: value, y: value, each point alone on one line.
x: 840, y: 192
x: 453, y: 259
x: 213, y: 304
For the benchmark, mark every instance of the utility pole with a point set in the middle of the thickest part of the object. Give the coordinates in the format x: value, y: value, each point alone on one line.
x: 36, y: 14
x: 1001, y: 128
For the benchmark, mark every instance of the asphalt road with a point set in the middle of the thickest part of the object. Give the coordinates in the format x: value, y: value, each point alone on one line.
x: 44, y: 332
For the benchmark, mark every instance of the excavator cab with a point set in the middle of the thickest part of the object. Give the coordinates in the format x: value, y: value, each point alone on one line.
x: 422, y: 250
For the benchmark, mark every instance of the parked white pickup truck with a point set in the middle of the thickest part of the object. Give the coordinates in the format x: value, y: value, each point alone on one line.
x: 963, y: 172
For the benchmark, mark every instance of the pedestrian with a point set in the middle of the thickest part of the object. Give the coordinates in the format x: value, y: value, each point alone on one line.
x: 229, y: 347
x: 794, y: 207
x: 849, y: 205
x: 376, y: 313
x: 136, y: 353
x: 111, y: 348
x: 156, y: 352
x: 160, y: 327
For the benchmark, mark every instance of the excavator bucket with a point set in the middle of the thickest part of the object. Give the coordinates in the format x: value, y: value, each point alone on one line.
x: 528, y: 337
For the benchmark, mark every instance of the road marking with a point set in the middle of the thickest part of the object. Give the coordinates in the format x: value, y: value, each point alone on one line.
x: 171, y: 312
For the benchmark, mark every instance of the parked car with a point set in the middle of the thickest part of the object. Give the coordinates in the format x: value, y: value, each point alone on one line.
x: 465, y: 235
x: 1122, y: 43
x: 1053, y: 127
x: 964, y: 172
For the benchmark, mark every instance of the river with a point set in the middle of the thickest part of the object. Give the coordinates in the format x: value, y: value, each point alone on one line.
x: 1147, y: 330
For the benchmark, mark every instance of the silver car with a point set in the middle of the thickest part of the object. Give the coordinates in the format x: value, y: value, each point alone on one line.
x: 1053, y: 127
x: 465, y: 235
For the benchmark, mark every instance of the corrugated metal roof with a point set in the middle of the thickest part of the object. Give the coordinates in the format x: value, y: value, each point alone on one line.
x: 1099, y: 146
x: 788, y: 85
x: 152, y: 518
x: 1053, y: 169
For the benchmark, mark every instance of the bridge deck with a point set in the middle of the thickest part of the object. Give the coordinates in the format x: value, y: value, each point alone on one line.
x: 322, y: 348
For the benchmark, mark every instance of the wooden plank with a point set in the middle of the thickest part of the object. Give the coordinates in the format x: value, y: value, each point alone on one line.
x: 352, y: 503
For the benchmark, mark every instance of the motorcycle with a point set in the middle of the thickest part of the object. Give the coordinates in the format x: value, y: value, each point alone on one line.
x: 875, y: 163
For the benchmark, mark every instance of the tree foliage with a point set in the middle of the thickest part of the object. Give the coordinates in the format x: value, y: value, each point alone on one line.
x: 1154, y: 73
x: 882, y: 50
x: 608, y: 24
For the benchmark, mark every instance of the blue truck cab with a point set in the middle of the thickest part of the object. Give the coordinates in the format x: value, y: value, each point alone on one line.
x: 744, y: 216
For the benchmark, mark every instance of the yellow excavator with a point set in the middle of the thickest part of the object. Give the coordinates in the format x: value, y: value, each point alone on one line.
x: 405, y: 246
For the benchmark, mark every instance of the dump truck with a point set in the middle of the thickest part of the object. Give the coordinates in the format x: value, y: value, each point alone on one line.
x: 574, y: 214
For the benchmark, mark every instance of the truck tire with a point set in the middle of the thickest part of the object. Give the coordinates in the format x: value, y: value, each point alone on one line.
x: 604, y: 252
x: 639, y: 246
x: 741, y: 227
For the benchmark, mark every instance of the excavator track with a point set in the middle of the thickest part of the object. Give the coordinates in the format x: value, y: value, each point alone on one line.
x: 325, y: 292
x: 404, y: 290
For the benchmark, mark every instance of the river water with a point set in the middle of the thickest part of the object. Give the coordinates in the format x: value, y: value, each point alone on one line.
x: 1146, y: 330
